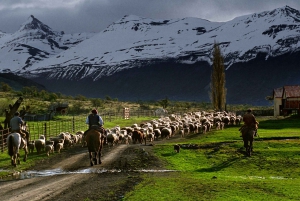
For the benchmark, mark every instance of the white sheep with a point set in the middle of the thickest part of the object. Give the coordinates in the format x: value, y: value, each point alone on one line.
x: 60, y: 145
x: 49, y: 147
x: 40, y: 144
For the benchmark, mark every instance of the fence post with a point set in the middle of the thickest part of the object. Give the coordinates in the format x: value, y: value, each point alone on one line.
x: 2, y: 142
x: 45, y: 131
x: 73, y: 126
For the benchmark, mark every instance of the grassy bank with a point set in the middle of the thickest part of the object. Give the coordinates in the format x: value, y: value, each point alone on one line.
x: 219, y: 169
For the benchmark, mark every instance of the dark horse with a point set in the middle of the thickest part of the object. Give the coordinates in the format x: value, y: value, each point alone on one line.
x: 94, y: 139
x: 248, y: 137
x: 14, y: 143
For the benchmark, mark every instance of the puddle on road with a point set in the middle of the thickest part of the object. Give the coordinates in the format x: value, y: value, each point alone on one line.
x: 46, y: 173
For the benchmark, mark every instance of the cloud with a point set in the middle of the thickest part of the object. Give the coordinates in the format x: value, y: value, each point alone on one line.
x: 73, y: 16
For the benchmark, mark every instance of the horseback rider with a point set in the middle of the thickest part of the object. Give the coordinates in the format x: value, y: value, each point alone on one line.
x: 95, y: 121
x: 15, y: 123
x: 249, y: 122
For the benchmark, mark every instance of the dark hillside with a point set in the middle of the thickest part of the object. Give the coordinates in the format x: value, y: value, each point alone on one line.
x: 18, y: 82
x: 246, y: 83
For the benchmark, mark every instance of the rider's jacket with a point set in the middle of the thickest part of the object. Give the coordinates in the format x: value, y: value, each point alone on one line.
x: 249, y: 120
x: 15, y: 123
x: 94, y: 120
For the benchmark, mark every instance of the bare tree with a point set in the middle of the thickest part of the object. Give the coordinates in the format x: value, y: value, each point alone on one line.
x: 217, y: 85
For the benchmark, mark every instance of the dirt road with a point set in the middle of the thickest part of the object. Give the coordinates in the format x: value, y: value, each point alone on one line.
x: 68, y: 175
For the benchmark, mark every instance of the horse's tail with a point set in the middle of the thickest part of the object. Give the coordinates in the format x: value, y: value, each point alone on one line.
x: 10, y: 144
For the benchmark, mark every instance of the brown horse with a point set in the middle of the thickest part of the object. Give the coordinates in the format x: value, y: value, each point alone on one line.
x: 248, y: 137
x: 14, y: 143
x: 94, y: 139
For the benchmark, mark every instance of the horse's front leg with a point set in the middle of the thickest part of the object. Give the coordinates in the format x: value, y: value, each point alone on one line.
x: 18, y: 158
x: 95, y: 157
x: 100, y: 151
x: 91, y: 158
x: 251, y: 146
x: 12, y: 158
x: 26, y: 153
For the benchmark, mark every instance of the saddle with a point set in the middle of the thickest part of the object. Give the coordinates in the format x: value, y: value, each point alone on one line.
x: 97, y: 128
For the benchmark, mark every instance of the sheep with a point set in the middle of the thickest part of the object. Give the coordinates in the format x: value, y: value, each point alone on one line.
x: 150, y: 137
x: 74, y: 138
x: 127, y: 139
x: 112, y: 139
x: 68, y: 142
x: 81, y: 139
x: 166, y: 132
x: 60, y: 145
x: 186, y: 131
x: 157, y: 133
x: 40, y: 144
x: 49, y: 147
x: 137, y: 136
x: 218, y: 125
x: 181, y: 132
x: 31, y: 146
x: 204, y: 128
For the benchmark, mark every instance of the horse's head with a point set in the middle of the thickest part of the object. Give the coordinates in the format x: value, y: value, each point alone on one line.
x: 24, y: 126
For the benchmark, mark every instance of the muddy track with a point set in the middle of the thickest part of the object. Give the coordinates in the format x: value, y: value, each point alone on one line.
x: 76, y: 180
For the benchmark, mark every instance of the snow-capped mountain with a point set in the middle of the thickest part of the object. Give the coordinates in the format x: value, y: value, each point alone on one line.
x: 34, y: 42
x: 133, y: 40
x: 180, y: 49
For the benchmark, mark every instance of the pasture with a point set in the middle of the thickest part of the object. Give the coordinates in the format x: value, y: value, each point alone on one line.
x: 213, y: 166
x: 219, y: 170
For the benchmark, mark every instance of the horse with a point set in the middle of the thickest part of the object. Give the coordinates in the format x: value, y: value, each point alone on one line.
x: 14, y: 143
x: 94, y: 139
x: 25, y: 130
x: 248, y: 137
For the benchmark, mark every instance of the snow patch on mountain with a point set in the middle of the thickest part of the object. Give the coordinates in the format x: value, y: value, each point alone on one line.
x: 34, y: 42
x: 134, y: 41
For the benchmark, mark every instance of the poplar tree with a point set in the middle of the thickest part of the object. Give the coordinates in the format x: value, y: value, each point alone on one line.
x: 217, y: 85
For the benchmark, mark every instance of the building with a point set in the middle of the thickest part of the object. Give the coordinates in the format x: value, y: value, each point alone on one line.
x: 286, y: 100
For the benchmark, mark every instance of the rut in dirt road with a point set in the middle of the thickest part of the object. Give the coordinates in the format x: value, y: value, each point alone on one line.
x: 44, y: 188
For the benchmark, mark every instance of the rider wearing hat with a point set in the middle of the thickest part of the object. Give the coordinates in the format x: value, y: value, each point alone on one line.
x: 249, y: 119
x: 249, y: 122
x: 94, y: 120
x: 15, y: 123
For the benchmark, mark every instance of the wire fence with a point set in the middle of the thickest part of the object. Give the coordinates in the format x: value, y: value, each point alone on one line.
x: 71, y: 124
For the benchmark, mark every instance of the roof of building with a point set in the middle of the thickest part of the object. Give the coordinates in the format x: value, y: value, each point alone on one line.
x: 291, y: 91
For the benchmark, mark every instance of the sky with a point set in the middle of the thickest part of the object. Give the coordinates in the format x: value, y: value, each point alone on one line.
x: 77, y: 16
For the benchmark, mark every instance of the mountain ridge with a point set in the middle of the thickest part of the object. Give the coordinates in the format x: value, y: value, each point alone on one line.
x: 133, y: 43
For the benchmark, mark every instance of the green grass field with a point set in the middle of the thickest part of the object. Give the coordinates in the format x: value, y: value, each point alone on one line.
x: 219, y: 170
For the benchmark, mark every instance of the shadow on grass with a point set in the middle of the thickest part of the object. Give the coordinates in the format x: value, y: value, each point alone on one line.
x: 220, y: 166
x: 276, y: 138
x: 169, y: 154
x: 288, y: 122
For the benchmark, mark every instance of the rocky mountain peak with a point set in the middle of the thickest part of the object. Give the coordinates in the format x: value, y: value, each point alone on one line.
x: 33, y: 24
x: 286, y: 11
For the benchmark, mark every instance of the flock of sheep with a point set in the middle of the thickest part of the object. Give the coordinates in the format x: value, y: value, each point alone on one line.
x: 57, y: 143
x: 162, y: 128
x: 167, y: 127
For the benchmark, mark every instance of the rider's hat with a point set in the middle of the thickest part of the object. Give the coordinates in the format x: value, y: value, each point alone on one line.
x: 94, y: 111
x: 249, y: 110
